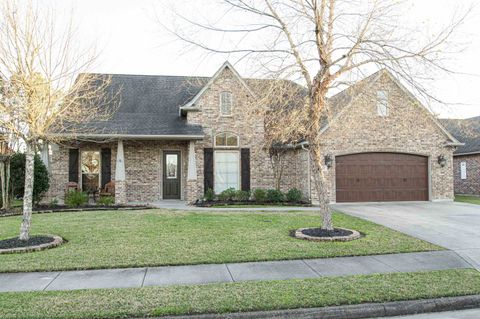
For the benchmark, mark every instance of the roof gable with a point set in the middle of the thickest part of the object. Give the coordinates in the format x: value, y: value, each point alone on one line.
x: 343, y: 101
x: 190, y: 105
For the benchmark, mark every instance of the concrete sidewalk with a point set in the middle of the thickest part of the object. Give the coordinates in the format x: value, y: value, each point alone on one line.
x: 201, y: 274
x: 182, y: 205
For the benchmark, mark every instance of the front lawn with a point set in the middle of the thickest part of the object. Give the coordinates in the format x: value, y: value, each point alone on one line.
x: 240, y: 296
x: 111, y: 239
x: 468, y: 199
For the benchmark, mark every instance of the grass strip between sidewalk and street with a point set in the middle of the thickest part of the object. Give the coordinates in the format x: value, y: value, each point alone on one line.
x: 240, y: 296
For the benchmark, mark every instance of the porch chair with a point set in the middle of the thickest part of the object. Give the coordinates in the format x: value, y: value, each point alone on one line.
x: 108, y: 190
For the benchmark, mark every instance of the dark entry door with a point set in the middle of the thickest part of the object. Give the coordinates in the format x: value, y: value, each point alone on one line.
x: 377, y: 177
x: 171, y: 175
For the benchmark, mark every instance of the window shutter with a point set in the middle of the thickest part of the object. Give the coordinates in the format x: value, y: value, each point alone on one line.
x: 245, y: 168
x: 207, y: 169
x: 106, y: 166
x: 73, y: 165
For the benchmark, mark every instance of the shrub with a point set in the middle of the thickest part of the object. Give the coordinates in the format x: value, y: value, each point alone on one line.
x: 76, y: 198
x: 294, y: 195
x: 17, y: 177
x: 275, y: 196
x: 106, y: 201
x: 209, y: 195
x: 242, y: 196
x: 228, y: 194
x: 259, y: 195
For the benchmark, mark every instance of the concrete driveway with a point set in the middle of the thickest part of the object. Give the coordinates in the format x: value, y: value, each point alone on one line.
x: 452, y: 225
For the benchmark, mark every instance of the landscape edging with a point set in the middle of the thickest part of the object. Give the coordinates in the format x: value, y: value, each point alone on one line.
x: 361, y: 311
x: 57, y: 241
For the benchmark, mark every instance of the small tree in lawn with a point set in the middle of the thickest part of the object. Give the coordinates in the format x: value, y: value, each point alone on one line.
x: 324, y: 45
x: 43, y: 94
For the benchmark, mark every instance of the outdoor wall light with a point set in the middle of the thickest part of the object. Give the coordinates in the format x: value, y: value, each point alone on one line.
x: 328, y: 160
x: 442, y: 160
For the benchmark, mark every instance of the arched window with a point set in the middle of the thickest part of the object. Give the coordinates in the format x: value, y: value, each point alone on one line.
x: 226, y: 102
x: 226, y: 140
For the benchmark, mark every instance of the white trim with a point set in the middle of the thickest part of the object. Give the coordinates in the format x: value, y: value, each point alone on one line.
x: 192, y: 162
x: 120, y: 163
x: 188, y: 106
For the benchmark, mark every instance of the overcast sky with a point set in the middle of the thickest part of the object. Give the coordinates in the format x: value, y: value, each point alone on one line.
x: 133, y: 42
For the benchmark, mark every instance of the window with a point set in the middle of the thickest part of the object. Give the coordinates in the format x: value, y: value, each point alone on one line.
x: 90, y: 162
x: 226, y: 140
x: 382, y: 103
x: 226, y: 103
x: 226, y: 166
x: 463, y: 170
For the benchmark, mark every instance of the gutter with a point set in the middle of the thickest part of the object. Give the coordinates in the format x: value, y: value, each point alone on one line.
x: 468, y: 153
x: 134, y: 136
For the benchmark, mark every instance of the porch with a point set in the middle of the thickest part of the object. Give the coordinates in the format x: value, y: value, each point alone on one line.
x: 141, y: 170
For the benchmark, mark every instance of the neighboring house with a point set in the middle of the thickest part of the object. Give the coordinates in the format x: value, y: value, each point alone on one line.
x: 173, y: 137
x: 466, y: 159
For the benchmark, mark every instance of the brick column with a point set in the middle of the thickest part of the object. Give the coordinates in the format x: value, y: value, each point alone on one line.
x: 120, y: 184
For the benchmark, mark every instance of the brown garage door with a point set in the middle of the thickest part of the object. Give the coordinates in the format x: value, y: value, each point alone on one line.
x: 376, y: 177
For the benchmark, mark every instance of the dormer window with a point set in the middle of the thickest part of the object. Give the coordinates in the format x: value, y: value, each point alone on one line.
x: 382, y: 103
x: 226, y: 102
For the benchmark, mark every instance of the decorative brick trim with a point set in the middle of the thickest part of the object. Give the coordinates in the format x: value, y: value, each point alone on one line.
x: 354, y: 235
x: 57, y: 241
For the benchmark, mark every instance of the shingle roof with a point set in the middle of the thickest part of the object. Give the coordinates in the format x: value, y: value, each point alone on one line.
x: 149, y: 105
x: 466, y: 131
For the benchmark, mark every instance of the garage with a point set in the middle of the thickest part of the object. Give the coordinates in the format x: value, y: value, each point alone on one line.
x: 379, y: 177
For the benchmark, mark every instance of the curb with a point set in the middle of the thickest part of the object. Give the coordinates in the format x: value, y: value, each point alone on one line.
x: 368, y: 310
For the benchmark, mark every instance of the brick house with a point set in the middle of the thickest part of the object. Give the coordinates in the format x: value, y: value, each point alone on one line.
x: 466, y: 158
x: 173, y: 137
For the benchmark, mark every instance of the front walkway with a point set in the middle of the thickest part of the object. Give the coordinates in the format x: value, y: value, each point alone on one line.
x: 201, y: 274
x: 182, y: 205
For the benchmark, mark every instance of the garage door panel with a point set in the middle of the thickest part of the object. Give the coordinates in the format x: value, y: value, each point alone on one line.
x: 381, y: 177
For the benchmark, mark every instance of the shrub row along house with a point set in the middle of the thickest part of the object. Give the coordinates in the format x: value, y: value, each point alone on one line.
x: 174, y: 137
x: 466, y: 160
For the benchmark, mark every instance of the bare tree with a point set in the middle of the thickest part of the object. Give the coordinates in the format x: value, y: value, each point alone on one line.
x: 325, y: 45
x: 41, y: 93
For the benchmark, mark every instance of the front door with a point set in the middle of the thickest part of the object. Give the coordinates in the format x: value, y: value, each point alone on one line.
x: 171, y: 175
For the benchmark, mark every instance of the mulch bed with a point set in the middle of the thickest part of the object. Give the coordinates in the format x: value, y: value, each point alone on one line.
x: 318, y: 232
x: 17, y: 243
x: 249, y: 203
x: 35, y: 243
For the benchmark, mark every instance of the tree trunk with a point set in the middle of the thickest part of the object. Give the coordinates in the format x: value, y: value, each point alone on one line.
x: 320, y: 187
x: 28, y: 194
x: 3, y: 185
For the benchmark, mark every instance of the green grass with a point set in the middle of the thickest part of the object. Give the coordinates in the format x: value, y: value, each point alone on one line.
x: 468, y: 199
x: 111, y: 239
x: 252, y: 206
x: 241, y: 296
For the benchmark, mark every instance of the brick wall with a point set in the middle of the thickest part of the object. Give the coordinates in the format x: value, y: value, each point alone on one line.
x: 250, y: 131
x: 143, y: 168
x: 470, y: 185
x: 407, y: 129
